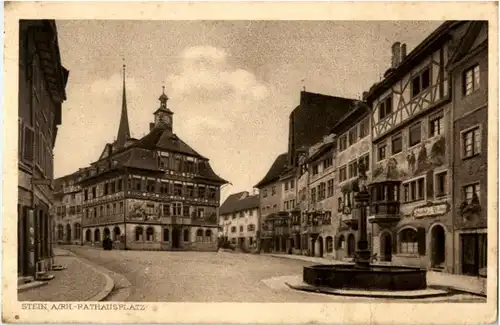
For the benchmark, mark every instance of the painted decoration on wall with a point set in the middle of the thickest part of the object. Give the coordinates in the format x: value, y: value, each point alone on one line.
x: 438, y: 152
x: 427, y: 160
x: 469, y: 210
x: 388, y: 170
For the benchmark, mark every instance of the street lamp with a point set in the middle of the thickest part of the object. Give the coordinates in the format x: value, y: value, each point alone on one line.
x: 361, y: 199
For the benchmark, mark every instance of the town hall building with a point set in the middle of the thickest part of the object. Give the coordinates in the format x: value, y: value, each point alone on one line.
x: 153, y: 193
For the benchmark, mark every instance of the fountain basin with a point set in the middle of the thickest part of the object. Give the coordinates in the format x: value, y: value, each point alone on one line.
x: 380, y: 277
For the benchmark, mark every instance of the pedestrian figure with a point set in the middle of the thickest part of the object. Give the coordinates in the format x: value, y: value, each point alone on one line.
x: 107, y: 244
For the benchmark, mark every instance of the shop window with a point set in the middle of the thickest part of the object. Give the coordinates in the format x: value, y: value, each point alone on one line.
x: 408, y: 243
x: 150, y: 234
x: 208, y: 235
x: 199, y: 235
x: 138, y: 233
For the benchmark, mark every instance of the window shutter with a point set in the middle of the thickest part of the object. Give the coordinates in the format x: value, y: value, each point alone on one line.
x: 28, y: 144
x: 430, y: 184
x: 421, y: 241
x: 395, y: 243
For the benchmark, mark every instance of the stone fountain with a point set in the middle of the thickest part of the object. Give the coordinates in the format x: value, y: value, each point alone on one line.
x: 362, y: 275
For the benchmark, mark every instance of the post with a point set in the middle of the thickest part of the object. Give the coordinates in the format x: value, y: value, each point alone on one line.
x: 361, y: 198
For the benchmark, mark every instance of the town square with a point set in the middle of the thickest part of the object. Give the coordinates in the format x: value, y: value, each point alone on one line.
x: 253, y: 161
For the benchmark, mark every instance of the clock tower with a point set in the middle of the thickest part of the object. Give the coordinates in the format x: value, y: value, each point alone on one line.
x: 163, y: 115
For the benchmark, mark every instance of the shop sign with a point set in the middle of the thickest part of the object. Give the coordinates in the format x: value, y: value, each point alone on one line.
x: 431, y: 210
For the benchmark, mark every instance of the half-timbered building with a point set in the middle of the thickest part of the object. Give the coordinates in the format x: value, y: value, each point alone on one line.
x: 153, y: 193
x: 411, y: 130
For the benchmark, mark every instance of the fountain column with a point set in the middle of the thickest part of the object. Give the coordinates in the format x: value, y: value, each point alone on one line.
x: 361, y: 199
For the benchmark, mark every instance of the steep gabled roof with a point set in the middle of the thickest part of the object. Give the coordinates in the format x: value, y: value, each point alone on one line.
x: 275, y: 171
x: 467, y: 41
x: 239, y: 202
x: 207, y: 173
x: 160, y: 138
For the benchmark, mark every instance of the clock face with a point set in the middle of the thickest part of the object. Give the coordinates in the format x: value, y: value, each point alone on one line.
x: 165, y: 119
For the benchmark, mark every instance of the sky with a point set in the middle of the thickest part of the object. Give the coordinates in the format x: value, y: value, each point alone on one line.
x: 232, y: 84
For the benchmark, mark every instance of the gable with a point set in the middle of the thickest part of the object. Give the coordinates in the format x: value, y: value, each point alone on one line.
x: 481, y: 36
x: 105, y: 152
x: 474, y: 37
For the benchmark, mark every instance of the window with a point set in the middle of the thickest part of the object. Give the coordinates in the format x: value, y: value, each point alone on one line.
x: 286, y: 186
x: 286, y: 206
x: 199, y: 235
x: 177, y: 209
x: 28, y: 152
x: 321, y: 191
x: 189, y: 166
x: 353, y: 169
x: 106, y: 188
x: 471, y: 80
x: 343, y: 143
x: 177, y: 189
x: 208, y: 235
x: 85, y: 195
x: 292, y: 204
x: 138, y: 233
x: 185, y: 211
x: 342, y: 173
x: 471, y: 142
x: 241, y: 228
x: 190, y: 190
x: 273, y: 190
x: 330, y: 187
x: 265, y: 193
x: 441, y: 184
x: 166, y: 234
x: 251, y: 227
x: 415, y: 134
x: 121, y: 207
x: 138, y: 184
x: 327, y: 163
x: 313, y: 195
x: 414, y: 190
x: 292, y: 183
x: 385, y: 108
x: 150, y: 234
x: 408, y: 243
x: 164, y: 188
x: 112, y: 187
x: 353, y: 135
x: 186, y: 235
x: 435, y: 126
x: 365, y: 161
x: 315, y: 169
x: 233, y: 229
x: 364, y: 128
x: 150, y: 186
x: 166, y: 209
x: 469, y: 191
x: 346, y: 199
x: 178, y: 164
x: 201, y: 192
x: 329, y: 244
x: 381, y: 151
x: 119, y: 185
x: 420, y: 82
x: 397, y: 143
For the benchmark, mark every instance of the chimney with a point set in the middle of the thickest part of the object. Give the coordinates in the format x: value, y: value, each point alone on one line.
x: 151, y: 126
x: 396, y: 54
x: 403, y: 52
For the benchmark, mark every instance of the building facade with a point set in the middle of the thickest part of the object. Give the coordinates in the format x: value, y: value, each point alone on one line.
x: 320, y: 223
x: 272, y: 237
x: 153, y: 193
x: 67, y: 209
x: 42, y: 83
x: 469, y: 73
x: 412, y: 138
x: 239, y: 219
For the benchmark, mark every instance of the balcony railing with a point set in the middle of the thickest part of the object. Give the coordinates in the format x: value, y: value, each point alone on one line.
x: 384, y: 212
x: 350, y: 220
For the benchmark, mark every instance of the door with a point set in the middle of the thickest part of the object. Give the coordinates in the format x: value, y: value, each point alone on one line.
x: 386, y: 245
x: 320, y: 246
x: 474, y: 254
x: 438, y: 247
x: 176, y: 238
x: 351, y: 245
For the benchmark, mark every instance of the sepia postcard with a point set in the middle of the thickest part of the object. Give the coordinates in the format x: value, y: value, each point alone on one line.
x: 250, y: 162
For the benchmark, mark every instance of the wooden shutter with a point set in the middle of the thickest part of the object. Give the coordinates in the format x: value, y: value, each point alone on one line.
x: 28, y: 150
x: 430, y: 184
x: 421, y: 241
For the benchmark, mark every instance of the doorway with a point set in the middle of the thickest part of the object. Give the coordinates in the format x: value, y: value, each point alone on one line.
x: 320, y: 246
x: 474, y: 254
x: 351, y: 245
x: 68, y: 233
x: 438, y: 245
x: 386, y: 247
x: 176, y: 238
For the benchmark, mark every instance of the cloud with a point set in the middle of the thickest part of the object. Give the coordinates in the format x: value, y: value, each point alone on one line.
x: 207, y: 76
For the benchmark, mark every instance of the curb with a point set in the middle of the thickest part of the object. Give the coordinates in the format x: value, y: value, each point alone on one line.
x: 108, y: 287
x: 31, y: 285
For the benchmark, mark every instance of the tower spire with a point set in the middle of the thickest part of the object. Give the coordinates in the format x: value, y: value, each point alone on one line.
x: 123, y: 129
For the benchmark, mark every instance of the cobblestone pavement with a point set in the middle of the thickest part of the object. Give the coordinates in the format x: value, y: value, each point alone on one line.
x: 78, y: 282
x: 156, y: 276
